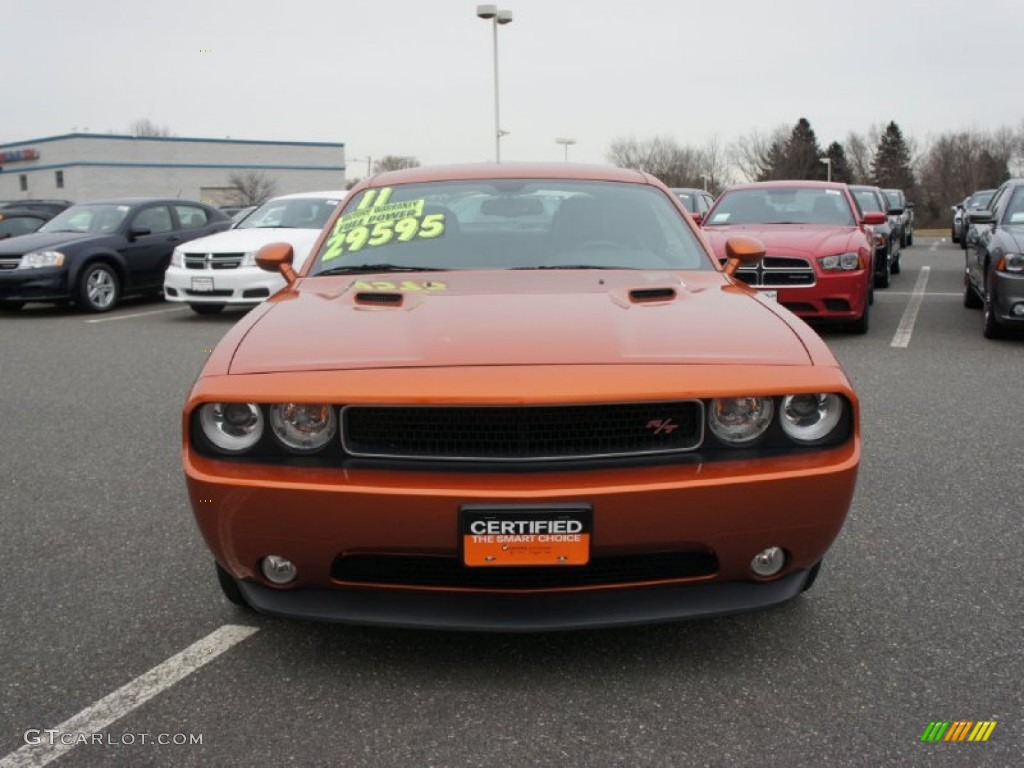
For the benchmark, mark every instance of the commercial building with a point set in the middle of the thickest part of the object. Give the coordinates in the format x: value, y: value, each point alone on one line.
x: 89, y: 166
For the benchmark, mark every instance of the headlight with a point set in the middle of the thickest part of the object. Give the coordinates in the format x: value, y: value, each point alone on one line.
x: 37, y: 259
x: 1011, y: 262
x: 248, y: 259
x: 810, y: 418
x: 177, y: 258
x: 842, y: 261
x: 232, y: 427
x: 740, y: 420
x: 302, y: 427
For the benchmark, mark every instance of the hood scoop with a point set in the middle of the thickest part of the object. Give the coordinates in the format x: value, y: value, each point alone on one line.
x: 648, y: 295
x: 378, y: 299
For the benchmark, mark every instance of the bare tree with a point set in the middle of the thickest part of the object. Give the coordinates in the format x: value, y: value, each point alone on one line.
x: 714, y: 161
x: 146, y: 127
x: 251, y: 187
x: 859, y: 154
x: 752, y: 154
x: 662, y: 157
x: 395, y: 163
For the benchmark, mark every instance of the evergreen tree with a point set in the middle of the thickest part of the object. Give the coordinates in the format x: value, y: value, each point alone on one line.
x: 841, y: 170
x: 803, y: 154
x: 891, y: 166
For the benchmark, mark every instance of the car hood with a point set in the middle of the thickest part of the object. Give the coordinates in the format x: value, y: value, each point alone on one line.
x: 1014, y: 237
x: 245, y: 240
x: 514, y: 318
x: 795, y: 239
x: 39, y: 241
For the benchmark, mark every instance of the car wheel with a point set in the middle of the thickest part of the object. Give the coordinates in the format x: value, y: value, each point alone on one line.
x: 860, y: 325
x: 953, y: 236
x: 11, y: 306
x: 971, y: 299
x: 882, y: 280
x: 229, y: 587
x: 812, y: 576
x: 895, y: 269
x: 991, y: 329
x: 99, y: 288
x: 910, y: 236
x: 206, y: 309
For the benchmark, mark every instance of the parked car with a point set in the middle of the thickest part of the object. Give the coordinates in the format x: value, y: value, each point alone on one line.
x: 238, y: 216
x: 994, y: 266
x: 898, y: 200
x: 887, y: 247
x: 588, y: 423
x: 52, y: 207
x: 819, y: 261
x: 977, y: 202
x: 21, y: 221
x: 95, y: 253
x: 696, y: 201
x: 212, y: 272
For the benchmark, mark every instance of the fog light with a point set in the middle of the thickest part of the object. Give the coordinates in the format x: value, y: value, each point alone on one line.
x: 278, y: 570
x: 768, y: 562
x: 1018, y: 310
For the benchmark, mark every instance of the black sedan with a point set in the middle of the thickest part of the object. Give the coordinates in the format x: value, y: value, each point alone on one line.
x: 994, y: 269
x: 886, y: 239
x: 95, y: 253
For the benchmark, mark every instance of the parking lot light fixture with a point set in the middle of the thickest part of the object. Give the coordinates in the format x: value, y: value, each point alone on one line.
x: 565, y: 142
x: 828, y: 162
x: 496, y: 17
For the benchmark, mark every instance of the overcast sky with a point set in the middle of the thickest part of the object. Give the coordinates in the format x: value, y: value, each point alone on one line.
x: 415, y: 77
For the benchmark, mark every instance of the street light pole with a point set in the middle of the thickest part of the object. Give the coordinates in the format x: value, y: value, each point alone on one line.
x: 828, y: 162
x: 496, y: 17
x: 565, y: 143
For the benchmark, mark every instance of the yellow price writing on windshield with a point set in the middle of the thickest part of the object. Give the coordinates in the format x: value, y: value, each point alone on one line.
x: 382, y: 232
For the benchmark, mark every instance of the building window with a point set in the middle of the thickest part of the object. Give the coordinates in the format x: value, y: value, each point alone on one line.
x: 23, y: 182
x: 59, y: 178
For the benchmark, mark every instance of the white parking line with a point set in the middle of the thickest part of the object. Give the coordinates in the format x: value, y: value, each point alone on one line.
x: 953, y: 294
x: 135, y: 314
x: 906, y: 327
x: 129, y: 697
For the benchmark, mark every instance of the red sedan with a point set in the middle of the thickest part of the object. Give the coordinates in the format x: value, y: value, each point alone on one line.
x: 818, y: 261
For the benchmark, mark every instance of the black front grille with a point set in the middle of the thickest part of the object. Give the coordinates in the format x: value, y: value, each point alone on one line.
x: 442, y: 572
x: 522, y: 433
x: 779, y: 272
x: 208, y: 293
x: 213, y: 260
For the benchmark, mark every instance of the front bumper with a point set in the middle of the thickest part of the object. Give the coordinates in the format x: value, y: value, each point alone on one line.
x: 244, y: 285
x: 841, y: 296
x: 514, y: 613
x: 733, y: 509
x: 1007, y: 293
x: 44, y: 284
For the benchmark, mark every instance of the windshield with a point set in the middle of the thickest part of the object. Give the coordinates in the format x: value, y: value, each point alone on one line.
x: 868, y: 201
x: 96, y: 219
x: 687, y: 199
x: 291, y: 213
x: 511, y: 224
x: 781, y: 205
x: 980, y: 200
x: 895, y: 198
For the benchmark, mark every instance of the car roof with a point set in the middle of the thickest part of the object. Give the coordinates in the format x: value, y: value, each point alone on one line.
x: 469, y: 172
x: 783, y: 184
x: 39, y: 213
x: 143, y: 201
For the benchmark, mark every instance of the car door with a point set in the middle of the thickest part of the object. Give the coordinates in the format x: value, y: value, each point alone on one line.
x: 151, y: 237
x: 980, y: 241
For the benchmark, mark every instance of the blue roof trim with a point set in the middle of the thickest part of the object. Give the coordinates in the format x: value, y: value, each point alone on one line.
x: 124, y: 137
x: 13, y: 170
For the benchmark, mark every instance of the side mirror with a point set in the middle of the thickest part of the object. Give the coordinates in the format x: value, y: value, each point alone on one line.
x: 910, y: 206
x: 981, y: 217
x: 742, y: 252
x: 895, y: 211
x: 874, y: 218
x: 277, y: 257
x: 698, y: 218
x: 136, y: 232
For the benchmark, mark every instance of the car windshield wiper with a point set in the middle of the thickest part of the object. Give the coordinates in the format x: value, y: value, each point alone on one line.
x: 362, y: 269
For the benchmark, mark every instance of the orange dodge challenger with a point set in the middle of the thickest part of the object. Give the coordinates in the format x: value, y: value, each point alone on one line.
x: 518, y: 397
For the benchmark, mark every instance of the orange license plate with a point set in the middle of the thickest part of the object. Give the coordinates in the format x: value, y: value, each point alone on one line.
x: 525, y: 535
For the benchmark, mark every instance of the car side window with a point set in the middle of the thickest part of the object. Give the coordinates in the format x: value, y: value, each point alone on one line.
x: 157, y: 219
x: 191, y: 216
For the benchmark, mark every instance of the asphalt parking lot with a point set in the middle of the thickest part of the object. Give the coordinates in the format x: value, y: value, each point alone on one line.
x: 917, y: 615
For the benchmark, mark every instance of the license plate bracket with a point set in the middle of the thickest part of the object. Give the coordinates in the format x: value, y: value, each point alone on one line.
x: 524, y: 535
x: 202, y: 284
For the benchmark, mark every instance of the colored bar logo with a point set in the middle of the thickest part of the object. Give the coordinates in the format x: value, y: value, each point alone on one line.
x: 958, y: 730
